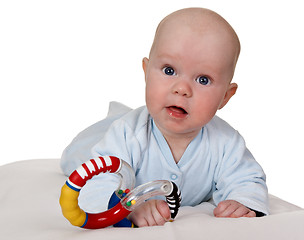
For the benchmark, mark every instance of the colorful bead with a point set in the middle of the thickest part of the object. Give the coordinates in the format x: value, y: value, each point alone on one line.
x: 127, y: 191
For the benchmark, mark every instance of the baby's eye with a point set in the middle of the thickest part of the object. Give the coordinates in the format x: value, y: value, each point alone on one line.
x: 203, y: 80
x: 169, y: 71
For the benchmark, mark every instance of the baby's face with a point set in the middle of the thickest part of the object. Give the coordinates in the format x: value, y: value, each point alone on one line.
x: 188, y: 78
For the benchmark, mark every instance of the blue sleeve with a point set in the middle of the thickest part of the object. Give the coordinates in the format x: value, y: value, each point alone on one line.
x: 79, y: 150
x: 239, y: 177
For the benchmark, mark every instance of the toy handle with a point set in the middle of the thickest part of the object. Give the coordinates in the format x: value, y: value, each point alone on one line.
x: 151, y: 189
x: 145, y: 191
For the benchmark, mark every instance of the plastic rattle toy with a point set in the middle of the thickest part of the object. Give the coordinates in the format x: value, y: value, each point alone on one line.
x: 123, y: 201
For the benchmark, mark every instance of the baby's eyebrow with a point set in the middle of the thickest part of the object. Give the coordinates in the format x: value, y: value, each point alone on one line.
x: 165, y: 56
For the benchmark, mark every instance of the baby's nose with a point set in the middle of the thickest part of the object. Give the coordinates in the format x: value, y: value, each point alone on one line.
x: 182, y: 88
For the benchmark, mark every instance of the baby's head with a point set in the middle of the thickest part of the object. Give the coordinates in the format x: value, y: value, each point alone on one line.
x: 189, y: 71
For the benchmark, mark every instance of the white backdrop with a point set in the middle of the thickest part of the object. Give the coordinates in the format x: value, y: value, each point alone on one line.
x: 61, y: 62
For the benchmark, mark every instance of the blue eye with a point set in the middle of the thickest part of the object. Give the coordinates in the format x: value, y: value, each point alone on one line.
x: 203, y: 80
x: 169, y: 71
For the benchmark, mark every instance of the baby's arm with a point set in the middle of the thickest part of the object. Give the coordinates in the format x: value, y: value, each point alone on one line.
x: 150, y: 213
x: 238, y: 176
x: 232, y: 209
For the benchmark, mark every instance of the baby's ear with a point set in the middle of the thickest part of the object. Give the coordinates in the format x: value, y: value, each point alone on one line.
x: 145, y: 63
x: 229, y: 93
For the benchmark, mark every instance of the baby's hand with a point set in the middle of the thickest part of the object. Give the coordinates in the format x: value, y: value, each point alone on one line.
x: 150, y: 213
x: 232, y: 209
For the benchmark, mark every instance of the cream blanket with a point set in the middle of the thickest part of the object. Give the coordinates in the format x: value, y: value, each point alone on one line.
x: 29, y: 209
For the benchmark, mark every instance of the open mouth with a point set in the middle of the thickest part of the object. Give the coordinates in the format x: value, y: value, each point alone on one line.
x: 177, y: 112
x: 178, y: 109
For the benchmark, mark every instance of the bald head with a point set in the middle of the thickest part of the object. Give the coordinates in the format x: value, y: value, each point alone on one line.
x: 198, y: 21
x: 191, y: 67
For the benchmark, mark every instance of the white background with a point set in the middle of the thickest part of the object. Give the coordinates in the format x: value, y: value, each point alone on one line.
x: 61, y: 62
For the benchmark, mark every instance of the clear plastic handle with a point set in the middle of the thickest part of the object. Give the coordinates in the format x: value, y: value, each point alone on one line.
x: 151, y: 189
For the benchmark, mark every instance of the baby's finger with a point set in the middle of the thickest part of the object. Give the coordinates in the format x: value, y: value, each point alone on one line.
x: 240, y: 212
x: 224, y: 209
x: 139, y: 221
x: 228, y: 211
x: 220, y: 208
x: 158, y: 220
x: 250, y: 214
x: 160, y: 213
x: 163, y: 210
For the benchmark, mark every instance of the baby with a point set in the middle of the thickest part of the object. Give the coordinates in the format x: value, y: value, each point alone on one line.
x: 177, y: 136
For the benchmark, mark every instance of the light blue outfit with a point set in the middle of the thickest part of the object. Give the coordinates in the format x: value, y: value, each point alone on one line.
x: 216, y: 164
